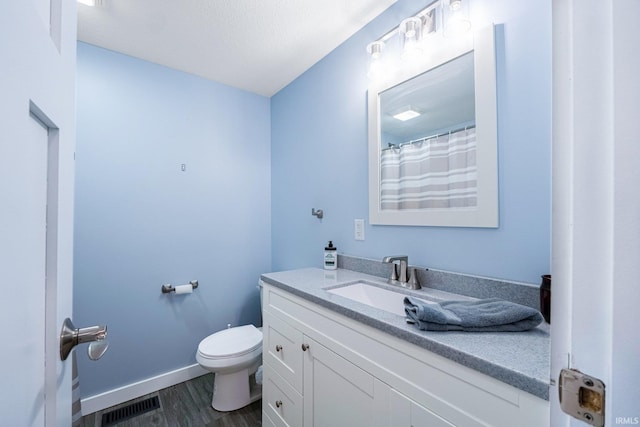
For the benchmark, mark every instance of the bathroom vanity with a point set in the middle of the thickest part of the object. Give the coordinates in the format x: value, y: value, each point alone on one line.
x: 332, y: 361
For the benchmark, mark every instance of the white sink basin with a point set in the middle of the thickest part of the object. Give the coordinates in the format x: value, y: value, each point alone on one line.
x: 374, y: 296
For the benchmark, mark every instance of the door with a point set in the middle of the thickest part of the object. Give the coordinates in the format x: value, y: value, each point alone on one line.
x: 596, y: 203
x: 37, y: 134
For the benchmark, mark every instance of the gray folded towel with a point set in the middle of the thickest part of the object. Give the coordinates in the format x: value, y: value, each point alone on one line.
x: 485, y: 315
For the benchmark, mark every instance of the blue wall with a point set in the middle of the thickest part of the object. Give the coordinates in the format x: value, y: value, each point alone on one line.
x: 141, y: 222
x: 319, y: 157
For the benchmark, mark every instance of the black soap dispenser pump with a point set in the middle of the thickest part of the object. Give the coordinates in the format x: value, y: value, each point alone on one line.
x: 330, y: 257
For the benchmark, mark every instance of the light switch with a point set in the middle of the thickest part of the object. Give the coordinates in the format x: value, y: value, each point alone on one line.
x: 359, y: 229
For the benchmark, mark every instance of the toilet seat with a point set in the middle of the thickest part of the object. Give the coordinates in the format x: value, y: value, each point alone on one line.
x: 231, y: 343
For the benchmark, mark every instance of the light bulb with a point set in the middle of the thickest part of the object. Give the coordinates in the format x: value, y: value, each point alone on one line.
x: 457, y: 19
x: 411, y: 28
x: 455, y: 5
x: 410, y: 32
x: 376, y: 64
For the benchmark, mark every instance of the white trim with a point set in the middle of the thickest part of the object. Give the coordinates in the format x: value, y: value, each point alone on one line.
x: 123, y: 394
x: 596, y: 209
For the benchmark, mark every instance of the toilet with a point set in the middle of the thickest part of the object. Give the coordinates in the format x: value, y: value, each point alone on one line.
x: 232, y: 355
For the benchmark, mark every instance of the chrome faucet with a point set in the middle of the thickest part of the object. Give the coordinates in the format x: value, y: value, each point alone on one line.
x: 404, y: 261
x: 405, y: 278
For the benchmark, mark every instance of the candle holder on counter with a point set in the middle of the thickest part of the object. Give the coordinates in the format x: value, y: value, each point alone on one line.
x: 545, y: 297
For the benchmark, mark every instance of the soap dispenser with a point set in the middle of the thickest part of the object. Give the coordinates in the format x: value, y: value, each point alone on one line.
x: 330, y: 257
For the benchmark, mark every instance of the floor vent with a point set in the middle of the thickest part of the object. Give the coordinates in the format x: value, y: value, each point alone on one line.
x: 130, y: 411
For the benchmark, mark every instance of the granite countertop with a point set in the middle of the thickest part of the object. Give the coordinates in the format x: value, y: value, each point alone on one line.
x: 520, y: 359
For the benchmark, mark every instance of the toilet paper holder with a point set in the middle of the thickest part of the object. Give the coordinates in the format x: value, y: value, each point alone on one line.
x: 169, y: 288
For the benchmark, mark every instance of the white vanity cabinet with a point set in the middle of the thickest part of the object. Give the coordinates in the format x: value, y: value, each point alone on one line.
x: 295, y: 365
x: 324, y: 369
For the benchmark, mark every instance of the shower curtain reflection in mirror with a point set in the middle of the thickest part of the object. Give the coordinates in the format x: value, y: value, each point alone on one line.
x: 437, y: 172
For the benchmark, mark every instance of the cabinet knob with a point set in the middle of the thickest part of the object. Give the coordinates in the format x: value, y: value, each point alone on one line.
x: 278, y: 347
x: 278, y: 403
x: 305, y: 347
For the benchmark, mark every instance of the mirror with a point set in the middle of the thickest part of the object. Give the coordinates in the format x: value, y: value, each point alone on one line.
x: 438, y: 166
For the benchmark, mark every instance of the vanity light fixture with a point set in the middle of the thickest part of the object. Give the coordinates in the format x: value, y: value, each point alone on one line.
x: 452, y: 21
x: 406, y: 114
x: 411, y: 33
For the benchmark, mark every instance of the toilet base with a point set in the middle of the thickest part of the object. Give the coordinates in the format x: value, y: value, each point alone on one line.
x: 234, y: 391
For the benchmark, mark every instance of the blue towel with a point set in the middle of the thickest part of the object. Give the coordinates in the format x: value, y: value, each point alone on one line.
x: 485, y: 315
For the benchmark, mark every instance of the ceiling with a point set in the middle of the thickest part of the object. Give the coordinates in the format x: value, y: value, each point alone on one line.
x: 256, y: 45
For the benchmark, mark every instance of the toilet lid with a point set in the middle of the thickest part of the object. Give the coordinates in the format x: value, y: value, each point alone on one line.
x: 231, y: 342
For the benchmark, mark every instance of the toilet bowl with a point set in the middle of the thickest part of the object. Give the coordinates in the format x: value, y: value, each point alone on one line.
x: 232, y: 355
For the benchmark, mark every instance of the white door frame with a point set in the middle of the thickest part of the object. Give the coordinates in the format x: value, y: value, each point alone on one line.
x: 596, y: 201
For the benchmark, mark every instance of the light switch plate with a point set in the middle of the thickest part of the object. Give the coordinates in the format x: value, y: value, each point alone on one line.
x: 359, y: 229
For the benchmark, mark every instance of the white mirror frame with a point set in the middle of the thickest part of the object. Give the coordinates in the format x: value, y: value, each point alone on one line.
x: 486, y: 213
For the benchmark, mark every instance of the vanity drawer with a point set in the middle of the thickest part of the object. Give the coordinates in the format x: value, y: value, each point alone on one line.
x: 283, y: 349
x: 281, y: 404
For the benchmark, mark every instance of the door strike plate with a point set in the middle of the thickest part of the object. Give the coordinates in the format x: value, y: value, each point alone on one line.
x: 582, y: 396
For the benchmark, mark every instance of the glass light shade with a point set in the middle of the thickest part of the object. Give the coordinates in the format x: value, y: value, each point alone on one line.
x: 376, y: 64
x: 375, y: 49
x: 456, y: 17
x: 410, y: 33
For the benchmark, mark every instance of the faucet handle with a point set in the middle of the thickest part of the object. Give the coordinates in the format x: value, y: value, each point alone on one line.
x: 394, y: 272
x: 413, y: 282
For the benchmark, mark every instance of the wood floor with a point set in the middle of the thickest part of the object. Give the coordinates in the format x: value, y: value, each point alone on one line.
x: 186, y: 404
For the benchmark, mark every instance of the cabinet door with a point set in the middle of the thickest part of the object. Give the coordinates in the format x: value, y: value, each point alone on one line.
x: 407, y: 413
x: 337, y: 392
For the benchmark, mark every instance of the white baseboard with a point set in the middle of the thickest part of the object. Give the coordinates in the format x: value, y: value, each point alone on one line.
x: 123, y: 394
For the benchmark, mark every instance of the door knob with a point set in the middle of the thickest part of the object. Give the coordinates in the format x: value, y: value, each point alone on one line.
x: 70, y: 336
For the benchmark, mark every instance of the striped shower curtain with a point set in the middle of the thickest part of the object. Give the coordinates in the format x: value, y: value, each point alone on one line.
x: 76, y: 412
x: 435, y: 173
